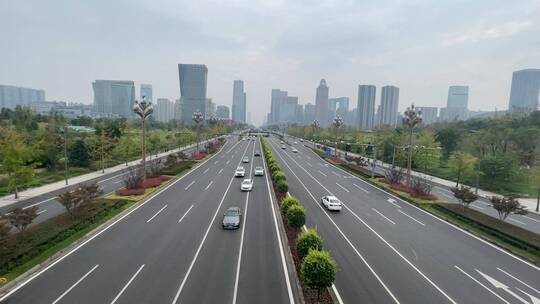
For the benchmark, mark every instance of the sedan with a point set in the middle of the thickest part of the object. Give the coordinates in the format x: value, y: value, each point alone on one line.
x: 247, y: 185
x: 240, y: 172
x: 259, y: 171
x: 257, y: 153
x: 294, y: 150
x: 283, y: 147
x: 245, y: 159
x: 331, y: 203
x: 232, y: 218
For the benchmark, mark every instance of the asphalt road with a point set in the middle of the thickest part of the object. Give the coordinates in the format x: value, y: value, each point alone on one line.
x: 389, y: 251
x: 172, y: 248
x: 529, y: 221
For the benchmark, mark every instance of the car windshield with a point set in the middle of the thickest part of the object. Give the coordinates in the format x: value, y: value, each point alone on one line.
x: 231, y: 213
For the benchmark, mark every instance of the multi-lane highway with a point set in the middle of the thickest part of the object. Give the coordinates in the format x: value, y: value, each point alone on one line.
x: 389, y: 251
x: 172, y: 249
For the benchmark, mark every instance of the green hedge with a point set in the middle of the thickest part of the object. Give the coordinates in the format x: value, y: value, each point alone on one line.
x: 282, y: 186
x: 308, y: 240
x: 296, y: 215
x: 288, y: 202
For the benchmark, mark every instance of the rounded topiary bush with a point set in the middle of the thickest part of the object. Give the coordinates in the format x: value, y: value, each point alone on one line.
x: 287, y: 202
x: 282, y: 186
x: 308, y: 240
x: 279, y: 175
x: 296, y: 215
x: 319, y: 270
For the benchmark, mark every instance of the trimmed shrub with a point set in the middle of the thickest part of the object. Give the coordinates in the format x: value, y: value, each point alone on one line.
x: 282, y: 186
x: 296, y: 215
x: 287, y: 202
x: 319, y: 270
x: 308, y: 240
x: 279, y: 175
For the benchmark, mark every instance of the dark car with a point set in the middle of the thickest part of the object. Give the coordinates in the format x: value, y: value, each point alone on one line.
x: 232, y: 218
x: 257, y: 153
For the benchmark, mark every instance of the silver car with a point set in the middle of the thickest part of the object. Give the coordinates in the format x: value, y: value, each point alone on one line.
x: 259, y: 171
x: 232, y: 218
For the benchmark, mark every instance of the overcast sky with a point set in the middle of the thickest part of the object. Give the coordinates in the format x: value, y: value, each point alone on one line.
x: 420, y: 46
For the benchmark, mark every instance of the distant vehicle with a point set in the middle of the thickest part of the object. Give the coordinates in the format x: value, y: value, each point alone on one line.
x: 240, y: 172
x: 294, y: 150
x: 301, y: 140
x: 259, y: 171
x: 232, y: 218
x: 247, y: 185
x: 331, y: 203
x: 282, y: 142
x: 257, y: 153
x: 245, y: 159
x: 283, y: 147
x: 295, y: 142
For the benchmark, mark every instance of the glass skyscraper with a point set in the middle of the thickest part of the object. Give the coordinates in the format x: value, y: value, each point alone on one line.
x: 193, y: 81
x: 524, y: 94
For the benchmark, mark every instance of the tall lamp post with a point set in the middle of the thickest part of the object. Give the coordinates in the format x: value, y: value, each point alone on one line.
x: 143, y: 109
x: 64, y: 131
x: 337, y: 123
x: 411, y: 120
x: 198, y: 118
x: 315, y: 126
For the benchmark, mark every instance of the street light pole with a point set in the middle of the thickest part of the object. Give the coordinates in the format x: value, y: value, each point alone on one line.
x: 65, y: 154
x: 337, y: 123
x: 143, y: 109
x: 197, y: 118
x: 316, y: 126
x: 411, y: 120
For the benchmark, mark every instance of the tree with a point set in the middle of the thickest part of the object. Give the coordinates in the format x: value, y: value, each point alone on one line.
x: 22, y: 218
x: 464, y: 195
x: 288, y: 202
x: 461, y: 164
x: 126, y: 147
x: 496, y: 169
x: 296, y: 215
x: 428, y: 154
x: 5, y: 229
x: 308, y: 240
x: 319, y: 270
x: 506, y: 205
x: 16, y: 159
x: 535, y: 183
x: 81, y: 196
x: 79, y: 154
x: 133, y: 178
x: 448, y: 138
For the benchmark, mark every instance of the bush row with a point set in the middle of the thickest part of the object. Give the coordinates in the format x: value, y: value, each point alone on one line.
x: 279, y: 178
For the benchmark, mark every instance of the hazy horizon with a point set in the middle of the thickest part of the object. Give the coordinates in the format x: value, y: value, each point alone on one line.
x: 421, y: 47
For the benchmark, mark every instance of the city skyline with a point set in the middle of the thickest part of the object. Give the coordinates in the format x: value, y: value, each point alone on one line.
x: 281, y: 48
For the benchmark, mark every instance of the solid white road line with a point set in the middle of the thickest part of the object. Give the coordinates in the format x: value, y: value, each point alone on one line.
x: 361, y: 188
x: 210, y: 184
x: 412, y: 218
x: 322, y: 173
x: 74, y: 285
x: 185, y: 214
x: 393, y: 202
x: 484, y: 286
x: 42, y: 211
x: 190, y: 184
x: 206, y: 170
x: 532, y: 219
x: 347, y: 190
x: 341, y: 233
x: 383, y: 240
x: 383, y: 216
x: 118, y: 182
x: 281, y: 250
x: 477, y: 207
x: 519, y: 222
x: 150, y: 198
x: 39, y: 203
x: 310, y: 165
x: 127, y: 284
x: 513, y: 277
x: 188, y: 272
x: 153, y: 216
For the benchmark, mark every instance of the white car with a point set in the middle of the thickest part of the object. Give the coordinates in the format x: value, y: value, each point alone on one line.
x: 331, y: 203
x: 301, y: 140
x: 296, y: 143
x: 245, y: 159
x: 294, y: 150
x: 259, y: 171
x: 283, y: 147
x: 240, y: 172
x: 282, y: 142
x: 247, y: 185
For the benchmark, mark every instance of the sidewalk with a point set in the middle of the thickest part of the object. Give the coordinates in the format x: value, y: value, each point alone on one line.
x: 33, y: 192
x: 530, y: 203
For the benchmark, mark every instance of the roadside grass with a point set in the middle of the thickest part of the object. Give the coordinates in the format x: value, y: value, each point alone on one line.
x: 516, y: 240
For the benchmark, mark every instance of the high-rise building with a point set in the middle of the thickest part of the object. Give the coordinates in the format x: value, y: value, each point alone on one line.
x: 340, y: 102
x: 12, y: 96
x: 287, y: 110
x: 278, y: 97
x: 193, y: 82
x: 223, y: 112
x: 525, y: 91
x: 299, y: 115
x: 388, y: 111
x: 146, y: 91
x: 321, y: 104
x: 210, y: 107
x: 178, y: 109
x: 115, y: 97
x: 164, y: 110
x: 365, y: 111
x: 239, y: 102
x: 457, y: 104
x: 429, y: 114
x: 309, y: 114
